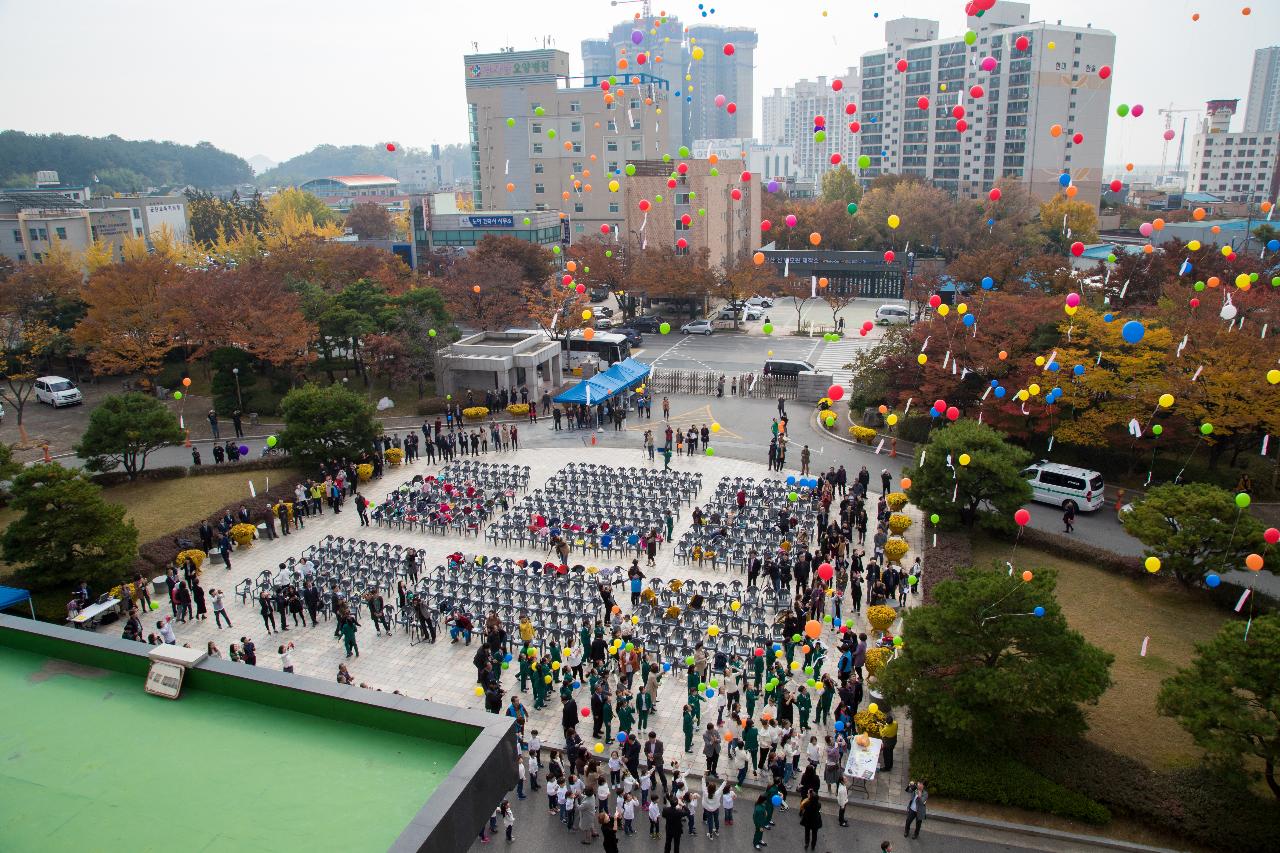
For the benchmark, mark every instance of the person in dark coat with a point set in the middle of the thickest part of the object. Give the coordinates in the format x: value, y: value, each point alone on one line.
x: 811, y: 819
x: 569, y: 714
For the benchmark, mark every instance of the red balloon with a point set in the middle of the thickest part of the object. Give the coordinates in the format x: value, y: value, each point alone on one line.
x: 728, y: 49
x: 1271, y: 535
x: 766, y: 225
x: 953, y: 414
x: 958, y: 111
x: 855, y: 126
x: 889, y: 256
x: 1116, y: 186
x: 671, y: 183
x: 566, y: 280
x: 682, y: 243
x: 826, y: 572
x: 759, y: 652
x: 1022, y: 517
x: 391, y: 146
x: 683, y: 168
x: 961, y: 125
x: 939, y: 406
x: 644, y: 204
x: 835, y: 159
x: 837, y: 85
x: 586, y: 712
x: 1077, y: 248
x: 731, y: 108
x: 994, y: 195
x: 819, y: 121
x: 686, y: 219
x: 1104, y: 72
x: 746, y: 177
x: 836, y: 393
x: 902, y: 65
x: 850, y: 109
x: 604, y: 229
x: 976, y: 92
x: 1195, y: 303
x: 922, y: 102
x: 935, y: 301
x: 735, y: 194
x: 1022, y: 43
x: 1078, y: 138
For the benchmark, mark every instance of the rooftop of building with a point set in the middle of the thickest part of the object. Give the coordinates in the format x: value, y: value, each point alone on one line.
x: 38, y: 199
x: 359, y: 180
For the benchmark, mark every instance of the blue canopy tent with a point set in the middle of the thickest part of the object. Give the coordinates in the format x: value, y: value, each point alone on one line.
x: 11, y: 595
x: 599, y: 388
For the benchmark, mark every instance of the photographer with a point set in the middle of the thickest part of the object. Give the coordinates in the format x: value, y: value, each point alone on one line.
x: 286, y: 657
x: 919, y: 795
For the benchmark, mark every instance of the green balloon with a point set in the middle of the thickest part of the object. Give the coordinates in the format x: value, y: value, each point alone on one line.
x: 665, y: 328
x: 555, y: 250
x: 1253, y: 276
x: 631, y: 169
x: 852, y: 208
x: 767, y: 328
x: 526, y: 220
x: 1275, y: 281
x: 608, y: 253
x: 711, y: 451
x: 970, y: 37
x: 539, y: 111
x: 1111, y: 258
x: 177, y: 395
x: 666, y: 158
x: 864, y: 162
x: 1243, y: 500
x: 551, y: 134
x: 1206, y: 429
x: 688, y: 661
x: 1157, y: 430
x: 702, y: 211
x: 793, y: 497
x: 935, y: 518
x: 657, y: 199
x: 684, y: 151
x: 431, y: 332
x: 692, y: 194
x: 795, y: 638
x: 272, y: 441
x: 1199, y: 285
x: 715, y: 173
x: 1122, y: 110
x: 819, y: 135
x: 613, y: 80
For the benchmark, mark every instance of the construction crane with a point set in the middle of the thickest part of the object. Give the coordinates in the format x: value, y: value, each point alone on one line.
x: 645, y: 9
x: 1168, y: 114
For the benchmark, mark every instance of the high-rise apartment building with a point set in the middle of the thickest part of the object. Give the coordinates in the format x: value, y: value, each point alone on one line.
x: 663, y: 45
x: 1043, y: 75
x: 1237, y: 167
x: 790, y: 116
x: 1262, y: 110
x: 718, y: 74
x: 543, y: 141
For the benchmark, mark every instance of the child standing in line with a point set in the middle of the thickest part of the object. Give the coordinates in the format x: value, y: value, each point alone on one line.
x: 615, y: 769
x: 727, y: 798
x: 654, y: 814
x: 628, y: 814
x: 553, y: 794
x: 509, y: 819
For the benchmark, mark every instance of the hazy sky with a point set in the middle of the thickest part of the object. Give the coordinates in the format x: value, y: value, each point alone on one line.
x: 277, y: 77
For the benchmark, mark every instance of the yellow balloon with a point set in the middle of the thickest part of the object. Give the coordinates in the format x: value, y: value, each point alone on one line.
x: 873, y: 708
x: 586, y: 315
x: 735, y: 606
x: 1226, y: 250
x: 921, y: 358
x: 1034, y: 389
x: 1194, y: 245
x: 893, y: 419
x: 613, y: 186
x: 964, y: 459
x: 555, y: 664
x: 1273, y: 376
x: 713, y: 631
x: 944, y: 309
x: 894, y: 221
x: 1053, y: 45
x: 1022, y: 395
x: 546, y: 679
x: 962, y: 308
x: 1070, y: 309
x: 599, y: 747
x: 1242, y: 281
x: 1166, y: 400
x: 1152, y: 564
x: 715, y: 427
x: 698, y: 53
x: 479, y: 690
x: 1039, y: 361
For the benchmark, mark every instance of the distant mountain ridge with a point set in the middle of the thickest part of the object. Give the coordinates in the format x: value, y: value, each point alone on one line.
x: 325, y: 160
x: 261, y: 163
x: 118, y: 164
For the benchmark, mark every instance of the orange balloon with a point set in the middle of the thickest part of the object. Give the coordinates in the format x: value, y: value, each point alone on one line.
x: 593, y: 159
x: 586, y: 188
x: 813, y: 629
x: 586, y: 173
x: 1266, y: 206
x: 1213, y: 281
x: 186, y: 382
x: 648, y: 102
x: 1253, y: 562
x: 1198, y: 213
x: 1148, y: 249
x: 713, y: 159
x: 1072, y: 190
x: 884, y: 410
x: 622, y: 64
x: 1157, y: 224
x: 758, y: 257
x: 475, y: 288
x: 822, y: 282
x: 906, y: 483
x: 1217, y: 229
x: 568, y: 145
x: 572, y: 266
x: 1245, y: 11
x: 588, y: 333
x: 1056, y: 130
x: 1003, y: 355
x: 608, y: 99
x: 815, y: 238
x: 565, y: 195
x: 511, y: 188
x: 1026, y: 576
x: 1128, y: 167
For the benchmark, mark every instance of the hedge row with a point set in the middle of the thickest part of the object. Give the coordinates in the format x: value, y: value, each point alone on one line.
x: 1194, y: 803
x: 177, y: 472
x: 978, y: 773
x: 953, y: 552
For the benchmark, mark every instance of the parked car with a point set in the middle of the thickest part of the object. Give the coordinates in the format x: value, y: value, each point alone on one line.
x: 787, y: 367
x: 646, y: 323
x: 1065, y: 485
x: 603, y: 310
x: 599, y: 294
x: 603, y: 323
x: 697, y: 327
x: 57, y: 392
x: 632, y: 335
x: 892, y: 315
x: 760, y: 302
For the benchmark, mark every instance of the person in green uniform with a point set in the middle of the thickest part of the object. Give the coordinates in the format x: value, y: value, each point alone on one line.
x: 626, y: 716
x: 688, y: 729
x: 824, y: 701
x: 584, y: 636
x: 695, y: 702
x: 790, y: 647
x: 555, y: 658
x: 752, y: 693
x: 760, y: 818
x: 526, y: 673
x: 757, y: 669
x: 819, y: 658
x: 644, y: 705
x: 751, y: 737
x: 804, y: 703
x: 692, y: 680
x: 539, y: 686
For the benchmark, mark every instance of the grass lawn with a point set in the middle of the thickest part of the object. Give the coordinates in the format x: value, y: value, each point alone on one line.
x: 1115, y: 613
x: 159, y: 507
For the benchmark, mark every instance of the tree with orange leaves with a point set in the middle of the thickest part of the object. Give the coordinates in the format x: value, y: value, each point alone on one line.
x: 132, y: 322
x: 485, y: 296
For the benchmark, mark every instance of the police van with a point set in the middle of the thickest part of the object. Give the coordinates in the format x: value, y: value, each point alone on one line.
x: 1065, y: 486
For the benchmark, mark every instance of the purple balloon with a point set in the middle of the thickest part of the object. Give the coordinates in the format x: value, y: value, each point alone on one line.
x: 636, y: 36
x: 244, y: 450
x: 773, y: 186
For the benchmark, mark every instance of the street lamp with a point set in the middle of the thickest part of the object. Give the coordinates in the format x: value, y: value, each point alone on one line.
x: 235, y: 371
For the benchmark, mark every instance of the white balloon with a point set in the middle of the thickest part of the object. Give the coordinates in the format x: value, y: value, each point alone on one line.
x: 1228, y: 312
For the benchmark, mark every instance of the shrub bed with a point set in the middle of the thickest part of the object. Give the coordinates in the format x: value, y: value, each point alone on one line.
x: 177, y: 472
x: 475, y: 413
x: 517, y: 409
x: 940, y: 563
x: 978, y: 773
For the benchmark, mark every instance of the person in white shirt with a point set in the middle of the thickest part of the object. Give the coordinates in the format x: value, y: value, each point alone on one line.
x: 655, y: 813
x: 531, y: 767
x: 727, y: 798
x: 286, y: 657
x: 166, y: 631
x: 813, y: 752
x: 842, y: 799
x: 553, y: 796
x: 711, y: 808
x: 522, y: 772
x: 628, y: 814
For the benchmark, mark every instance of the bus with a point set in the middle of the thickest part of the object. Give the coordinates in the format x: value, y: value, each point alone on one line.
x: 609, y: 347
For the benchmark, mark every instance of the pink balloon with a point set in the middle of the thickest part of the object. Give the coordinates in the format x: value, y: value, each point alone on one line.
x: 1073, y: 299
x: 1168, y: 134
x: 720, y: 99
x: 791, y: 220
x: 1022, y: 517
x: 989, y: 63
x: 1137, y: 110
x: 1145, y: 229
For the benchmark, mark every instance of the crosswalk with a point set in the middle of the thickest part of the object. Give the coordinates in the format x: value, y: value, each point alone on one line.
x: 833, y: 356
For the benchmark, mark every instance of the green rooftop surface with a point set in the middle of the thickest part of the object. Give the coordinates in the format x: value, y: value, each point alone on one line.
x: 89, y: 761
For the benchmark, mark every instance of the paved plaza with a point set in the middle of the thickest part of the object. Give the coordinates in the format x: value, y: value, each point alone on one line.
x: 443, y: 672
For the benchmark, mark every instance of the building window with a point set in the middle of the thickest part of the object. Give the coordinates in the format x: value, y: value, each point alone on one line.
x: 680, y: 226
x: 537, y: 148
x: 533, y: 107
x: 538, y: 168
x: 613, y: 125
x: 635, y: 146
x: 577, y: 148
x: 577, y: 207
x: 62, y: 232
x: 613, y: 207
x: 575, y: 127
x: 575, y: 106
x: 535, y: 127
x: 577, y: 167
x: 37, y: 257
x: 35, y: 235
x: 539, y: 188
x: 682, y: 198
x: 17, y: 235
x: 680, y: 251
x: 611, y: 145
x: 137, y: 232
x: 613, y: 166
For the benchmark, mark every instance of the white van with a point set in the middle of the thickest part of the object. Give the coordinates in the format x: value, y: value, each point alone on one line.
x: 57, y: 392
x: 892, y: 315
x: 1065, y: 486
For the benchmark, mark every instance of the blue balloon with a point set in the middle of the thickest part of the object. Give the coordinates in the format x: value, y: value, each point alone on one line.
x: 777, y: 646
x: 1039, y: 611
x: 839, y: 725
x: 1064, y: 179
x: 988, y: 282
x: 1211, y: 580
x: 1000, y: 392
x: 777, y: 799
x: 1273, y: 245
x: 577, y: 684
x: 622, y: 737
x: 791, y: 480
x: 666, y: 667
x: 507, y: 657
x: 991, y: 222
x: 1107, y: 318
x: 933, y: 413
x: 969, y: 319
x: 1057, y: 392
x: 995, y: 383
x: 835, y: 623
x: 1132, y: 332
x: 710, y: 693
x: 1078, y: 370
x: 1054, y: 367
